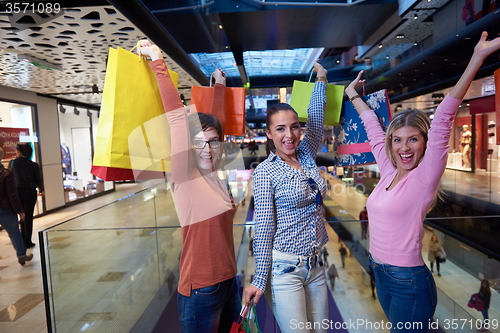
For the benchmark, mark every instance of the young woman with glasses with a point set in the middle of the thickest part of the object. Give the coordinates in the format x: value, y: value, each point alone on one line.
x: 412, y: 157
x: 207, y: 298
x: 289, y: 224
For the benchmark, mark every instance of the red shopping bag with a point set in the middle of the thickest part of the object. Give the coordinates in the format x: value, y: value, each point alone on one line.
x: 201, y: 98
x: 237, y: 326
x: 247, y: 321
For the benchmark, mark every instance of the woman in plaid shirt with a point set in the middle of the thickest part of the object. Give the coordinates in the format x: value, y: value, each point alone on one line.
x: 289, y: 227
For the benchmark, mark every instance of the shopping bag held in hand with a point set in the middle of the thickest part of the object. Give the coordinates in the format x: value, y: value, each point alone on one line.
x: 201, y: 101
x: 132, y: 137
x: 247, y: 321
x: 351, y: 140
x: 301, y: 96
x: 475, y: 303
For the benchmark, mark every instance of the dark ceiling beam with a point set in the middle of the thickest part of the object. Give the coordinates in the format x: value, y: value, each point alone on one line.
x: 447, y: 45
x: 141, y: 17
x: 236, y: 47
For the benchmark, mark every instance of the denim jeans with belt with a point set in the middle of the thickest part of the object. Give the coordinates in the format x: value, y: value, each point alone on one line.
x: 8, y: 220
x: 407, y: 295
x: 211, y: 309
x: 300, y: 294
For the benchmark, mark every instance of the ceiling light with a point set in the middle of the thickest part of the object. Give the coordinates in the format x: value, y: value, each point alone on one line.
x: 387, y: 57
x: 38, y: 62
x: 75, y: 111
x: 338, y: 61
x: 220, y: 26
x: 380, y: 46
x: 62, y: 109
x: 415, y: 43
x: 400, y: 36
x: 415, y: 17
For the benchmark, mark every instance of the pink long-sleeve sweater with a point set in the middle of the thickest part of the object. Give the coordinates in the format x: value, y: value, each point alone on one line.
x: 396, y: 215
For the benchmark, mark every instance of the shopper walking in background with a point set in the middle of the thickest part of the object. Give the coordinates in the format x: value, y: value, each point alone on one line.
x: 332, y: 275
x: 343, y: 253
x: 434, y: 247
x: 325, y: 254
x: 363, y: 217
x: 412, y: 157
x: 289, y: 223
x: 485, y: 297
x: 28, y: 178
x: 207, y: 299
x: 10, y: 207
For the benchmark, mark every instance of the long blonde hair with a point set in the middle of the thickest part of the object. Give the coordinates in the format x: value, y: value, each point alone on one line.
x: 418, y: 120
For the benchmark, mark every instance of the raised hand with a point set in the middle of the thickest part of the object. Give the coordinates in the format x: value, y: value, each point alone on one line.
x: 353, y: 96
x: 486, y: 47
x: 219, y: 76
x: 317, y: 67
x: 350, y: 90
x: 149, y: 50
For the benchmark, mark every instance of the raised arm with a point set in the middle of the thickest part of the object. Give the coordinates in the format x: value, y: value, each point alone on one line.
x: 218, y: 107
x: 353, y: 96
x: 316, y: 113
x: 182, y: 164
x: 481, y: 51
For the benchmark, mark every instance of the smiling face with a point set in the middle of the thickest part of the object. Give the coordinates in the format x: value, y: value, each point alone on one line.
x: 207, y: 159
x: 408, y: 148
x: 284, y: 130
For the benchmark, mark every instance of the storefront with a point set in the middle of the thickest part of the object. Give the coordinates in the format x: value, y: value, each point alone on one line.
x: 63, y: 144
x: 17, y: 125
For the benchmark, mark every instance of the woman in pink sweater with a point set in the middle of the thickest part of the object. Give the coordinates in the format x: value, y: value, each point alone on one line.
x: 412, y: 156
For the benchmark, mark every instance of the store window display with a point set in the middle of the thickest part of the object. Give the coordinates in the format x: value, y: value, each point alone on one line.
x: 465, y: 142
x: 76, y: 141
x: 66, y: 160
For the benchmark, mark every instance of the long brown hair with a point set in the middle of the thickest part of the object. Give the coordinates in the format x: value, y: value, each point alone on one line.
x: 485, y: 290
x: 270, y: 113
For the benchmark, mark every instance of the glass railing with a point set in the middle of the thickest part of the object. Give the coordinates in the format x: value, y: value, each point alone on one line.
x: 466, y: 265
x: 115, y: 269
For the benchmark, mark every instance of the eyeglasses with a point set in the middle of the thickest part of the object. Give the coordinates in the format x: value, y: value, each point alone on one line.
x: 315, y: 187
x: 200, y: 144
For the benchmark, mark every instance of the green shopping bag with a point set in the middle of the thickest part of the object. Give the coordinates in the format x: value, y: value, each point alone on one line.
x: 247, y: 321
x: 301, y: 95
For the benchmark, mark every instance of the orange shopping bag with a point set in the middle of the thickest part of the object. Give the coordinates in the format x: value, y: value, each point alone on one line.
x: 201, y: 98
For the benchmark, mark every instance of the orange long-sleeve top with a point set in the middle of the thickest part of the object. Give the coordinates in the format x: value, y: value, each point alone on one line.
x: 203, y: 204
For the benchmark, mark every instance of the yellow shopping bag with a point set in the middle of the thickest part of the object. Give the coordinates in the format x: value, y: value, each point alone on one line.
x: 133, y: 139
x: 301, y: 95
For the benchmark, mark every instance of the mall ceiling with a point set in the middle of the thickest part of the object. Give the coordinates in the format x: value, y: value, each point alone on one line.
x: 77, y: 39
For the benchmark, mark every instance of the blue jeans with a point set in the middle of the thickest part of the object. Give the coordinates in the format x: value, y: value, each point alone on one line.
x: 485, y: 317
x: 300, y: 294
x: 407, y: 295
x: 211, y: 309
x: 8, y: 220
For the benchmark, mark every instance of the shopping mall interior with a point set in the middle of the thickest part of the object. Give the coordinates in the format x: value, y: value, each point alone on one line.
x: 107, y: 251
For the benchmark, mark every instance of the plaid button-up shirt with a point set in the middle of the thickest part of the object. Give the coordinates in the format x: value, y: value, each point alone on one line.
x: 287, y: 217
